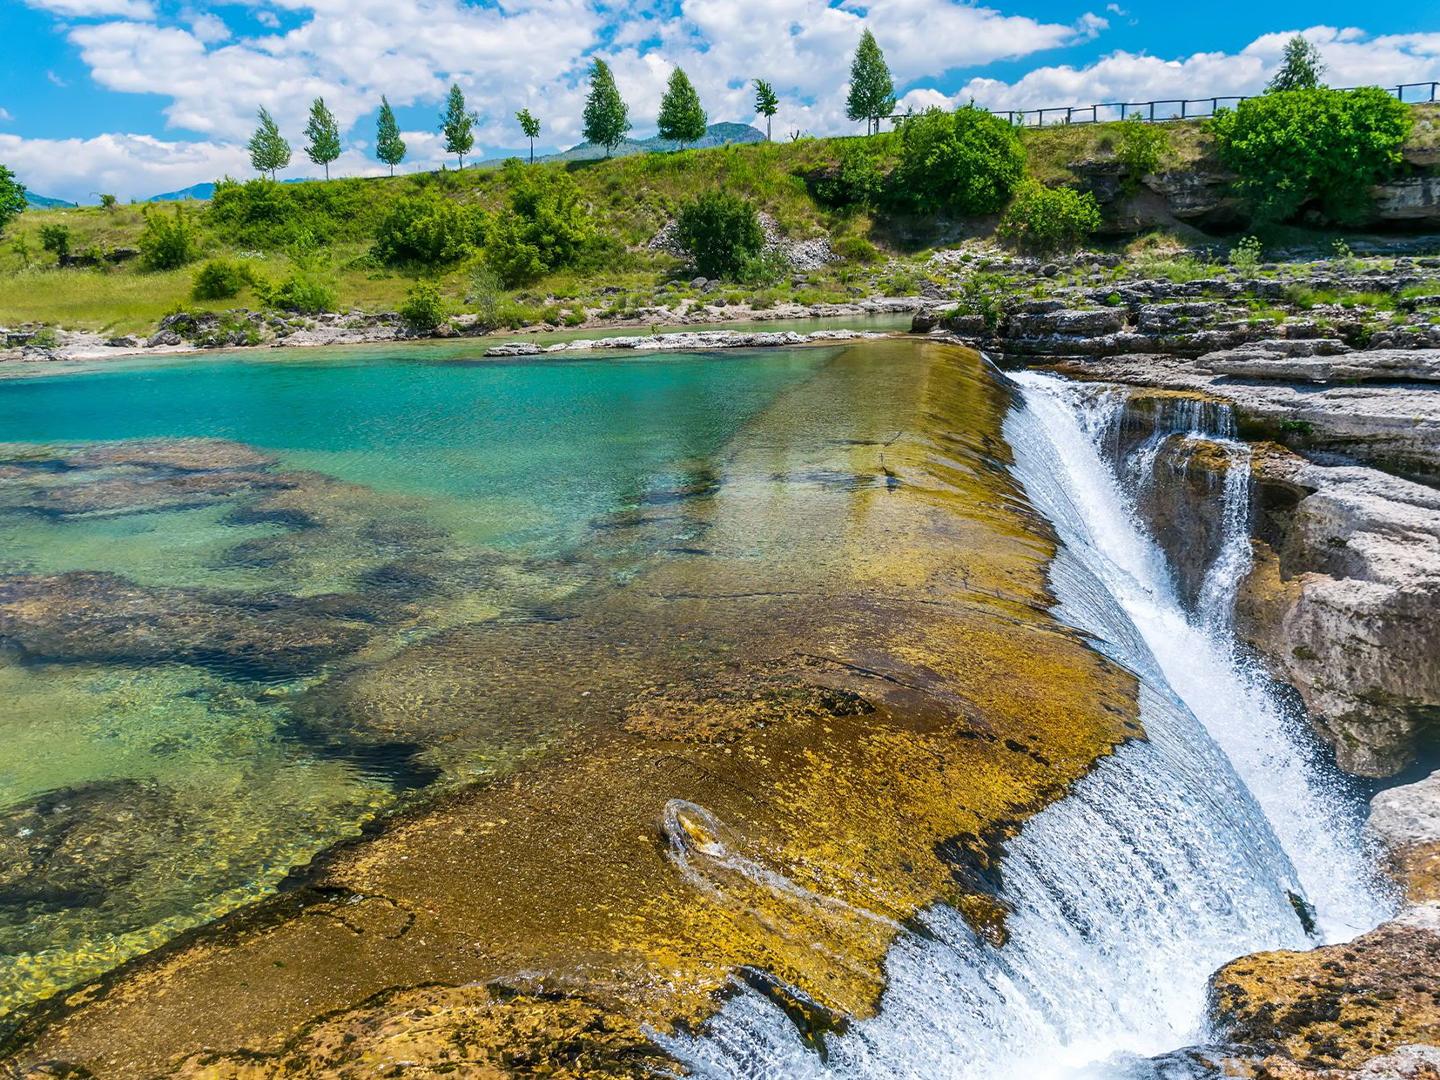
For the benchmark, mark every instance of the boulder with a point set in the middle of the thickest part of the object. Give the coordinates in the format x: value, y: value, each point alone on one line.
x: 1409, y: 199
x: 1406, y: 822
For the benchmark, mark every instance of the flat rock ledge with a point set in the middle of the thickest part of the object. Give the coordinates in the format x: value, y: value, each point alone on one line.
x: 1367, y: 1009
x: 685, y: 341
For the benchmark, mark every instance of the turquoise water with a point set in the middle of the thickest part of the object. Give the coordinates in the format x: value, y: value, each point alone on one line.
x: 192, y: 553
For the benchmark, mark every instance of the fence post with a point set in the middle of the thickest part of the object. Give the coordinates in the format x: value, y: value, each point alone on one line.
x: 1183, y: 105
x: 1068, y: 112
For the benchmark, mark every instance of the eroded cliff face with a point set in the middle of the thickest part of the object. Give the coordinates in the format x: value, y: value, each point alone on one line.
x: 757, y: 761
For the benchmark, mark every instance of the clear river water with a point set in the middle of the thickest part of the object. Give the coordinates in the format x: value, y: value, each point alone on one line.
x: 178, y: 766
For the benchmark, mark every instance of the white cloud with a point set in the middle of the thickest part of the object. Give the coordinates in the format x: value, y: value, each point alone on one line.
x: 1352, y: 57
x: 56, y: 80
x: 208, y: 29
x: 130, y: 166
x: 5, y: 115
x: 268, y: 18
x: 91, y: 9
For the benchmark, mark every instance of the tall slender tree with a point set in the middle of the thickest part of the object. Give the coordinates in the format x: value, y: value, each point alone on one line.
x: 389, y: 147
x: 766, y: 103
x: 607, y: 117
x: 872, y: 90
x: 324, y: 135
x: 269, y: 152
x: 682, y: 117
x: 12, y: 197
x: 1302, y: 67
x: 457, y: 124
x: 530, y: 126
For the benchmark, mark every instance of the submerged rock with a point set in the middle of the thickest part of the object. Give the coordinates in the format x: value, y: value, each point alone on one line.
x: 89, y: 617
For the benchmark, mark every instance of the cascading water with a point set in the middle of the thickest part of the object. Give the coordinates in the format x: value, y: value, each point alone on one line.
x: 1217, y: 836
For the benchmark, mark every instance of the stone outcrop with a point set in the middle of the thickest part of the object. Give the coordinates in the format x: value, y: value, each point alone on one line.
x: 1406, y: 821
x: 1344, y: 601
x: 1282, y: 361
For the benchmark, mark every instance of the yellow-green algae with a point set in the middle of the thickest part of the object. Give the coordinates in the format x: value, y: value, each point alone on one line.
x: 761, y: 760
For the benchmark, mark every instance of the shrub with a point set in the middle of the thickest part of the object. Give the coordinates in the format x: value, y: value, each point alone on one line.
x: 427, y: 230
x: 1049, y: 219
x: 168, y: 241
x: 983, y: 295
x: 56, y: 240
x: 1245, y: 256
x: 1302, y: 147
x: 220, y: 279
x: 1141, y: 147
x: 721, y: 231
x: 486, y: 296
x: 856, y: 180
x: 766, y: 268
x: 423, y: 309
x: 545, y: 228
x: 305, y: 291
x: 966, y: 161
x: 263, y: 214
x: 855, y: 249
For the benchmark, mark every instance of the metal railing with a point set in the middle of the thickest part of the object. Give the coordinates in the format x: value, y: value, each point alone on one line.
x: 1164, y: 109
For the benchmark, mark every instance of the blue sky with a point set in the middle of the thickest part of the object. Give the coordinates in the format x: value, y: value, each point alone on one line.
x: 137, y: 96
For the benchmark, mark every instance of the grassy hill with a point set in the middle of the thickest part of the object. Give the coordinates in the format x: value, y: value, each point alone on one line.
x: 630, y: 198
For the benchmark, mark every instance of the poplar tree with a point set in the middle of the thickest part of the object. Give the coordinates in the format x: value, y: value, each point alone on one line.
x: 269, y: 152
x: 457, y: 125
x: 682, y: 117
x: 324, y: 135
x: 389, y: 147
x: 766, y: 103
x: 872, y: 91
x: 1301, y: 69
x: 12, y: 197
x: 531, y: 128
x: 607, y: 118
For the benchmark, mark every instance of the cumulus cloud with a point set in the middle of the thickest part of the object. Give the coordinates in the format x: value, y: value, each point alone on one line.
x: 91, y: 9
x: 1352, y: 58
x: 130, y: 166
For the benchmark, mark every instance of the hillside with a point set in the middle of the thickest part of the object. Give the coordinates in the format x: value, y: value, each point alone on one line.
x: 44, y: 202
x: 628, y: 200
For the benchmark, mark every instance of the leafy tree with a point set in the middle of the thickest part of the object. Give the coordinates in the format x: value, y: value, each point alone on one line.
x: 424, y: 309
x: 872, y: 91
x: 766, y: 103
x: 530, y: 127
x: 389, y: 147
x: 108, y: 202
x: 855, y: 181
x: 269, y: 152
x: 1301, y: 68
x: 682, y: 117
x: 167, y: 243
x: 324, y: 135
x: 607, y: 117
x: 457, y: 125
x: 546, y: 227
x: 1043, y: 219
x: 966, y: 161
x: 56, y: 240
x: 722, y: 232
x: 221, y: 279
x: 1325, y: 148
x: 12, y: 197
x: 1140, y: 148
x: 427, y: 230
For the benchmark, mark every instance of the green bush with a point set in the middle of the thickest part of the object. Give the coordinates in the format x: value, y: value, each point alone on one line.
x: 55, y: 239
x: 304, y: 291
x: 856, y: 181
x: 486, y: 296
x: 168, y: 241
x: 1246, y: 255
x: 264, y: 214
x: 427, y: 230
x: 967, y: 162
x: 1140, y: 148
x: 1323, y: 148
x: 983, y: 295
x: 221, y: 279
x: 546, y: 227
x: 855, y: 249
x: 721, y: 231
x: 1048, y: 219
x: 423, y: 309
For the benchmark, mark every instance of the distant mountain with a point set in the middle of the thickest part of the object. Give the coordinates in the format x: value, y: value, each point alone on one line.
x: 194, y: 191
x: 44, y: 202
x: 715, y: 135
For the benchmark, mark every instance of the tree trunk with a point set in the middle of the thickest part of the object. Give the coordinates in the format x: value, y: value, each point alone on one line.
x: 327, y: 170
x: 767, y: 129
x: 532, y: 151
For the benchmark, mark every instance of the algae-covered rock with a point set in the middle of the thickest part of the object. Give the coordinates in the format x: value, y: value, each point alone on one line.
x: 85, y: 616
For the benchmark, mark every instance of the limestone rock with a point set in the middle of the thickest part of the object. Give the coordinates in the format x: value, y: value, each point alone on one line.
x: 1322, y: 362
x: 1409, y: 199
x: 1406, y: 820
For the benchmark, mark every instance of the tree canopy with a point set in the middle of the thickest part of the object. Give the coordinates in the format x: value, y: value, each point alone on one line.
x: 530, y: 127
x: 457, y: 124
x: 1301, y: 68
x: 766, y: 103
x: 269, y: 152
x: 607, y: 118
x: 12, y: 197
x: 682, y: 117
x: 324, y: 135
x: 872, y: 90
x: 389, y: 147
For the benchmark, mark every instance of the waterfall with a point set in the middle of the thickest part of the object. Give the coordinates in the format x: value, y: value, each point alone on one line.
x: 1221, y: 834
